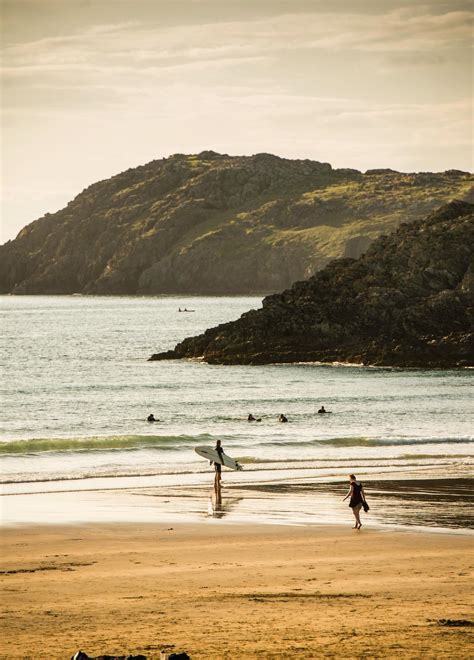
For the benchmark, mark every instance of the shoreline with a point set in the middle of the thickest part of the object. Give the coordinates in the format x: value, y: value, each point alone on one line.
x: 231, y: 590
x: 397, y: 501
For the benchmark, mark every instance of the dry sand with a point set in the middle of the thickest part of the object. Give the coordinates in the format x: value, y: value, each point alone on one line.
x: 218, y: 590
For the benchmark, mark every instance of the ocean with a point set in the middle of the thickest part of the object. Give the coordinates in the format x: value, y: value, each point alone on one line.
x: 77, y: 389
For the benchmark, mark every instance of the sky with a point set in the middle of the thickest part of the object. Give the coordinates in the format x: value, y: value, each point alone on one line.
x: 90, y: 88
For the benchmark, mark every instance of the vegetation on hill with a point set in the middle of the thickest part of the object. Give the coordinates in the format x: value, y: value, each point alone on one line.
x: 212, y: 223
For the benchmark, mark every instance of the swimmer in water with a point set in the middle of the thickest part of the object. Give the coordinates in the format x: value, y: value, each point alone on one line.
x: 251, y: 418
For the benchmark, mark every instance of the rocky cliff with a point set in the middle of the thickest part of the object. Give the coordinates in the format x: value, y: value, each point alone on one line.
x: 409, y: 301
x: 213, y: 223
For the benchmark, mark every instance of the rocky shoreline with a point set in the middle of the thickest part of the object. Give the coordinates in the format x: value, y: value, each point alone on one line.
x: 408, y: 302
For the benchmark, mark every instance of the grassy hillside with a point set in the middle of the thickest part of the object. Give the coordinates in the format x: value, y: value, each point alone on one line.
x: 211, y: 223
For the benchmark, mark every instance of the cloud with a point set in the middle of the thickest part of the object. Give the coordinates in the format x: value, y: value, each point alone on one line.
x: 112, y: 65
x: 144, y: 46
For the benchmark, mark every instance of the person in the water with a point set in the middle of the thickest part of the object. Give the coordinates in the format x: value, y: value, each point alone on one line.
x: 283, y: 418
x: 322, y: 410
x: 151, y: 418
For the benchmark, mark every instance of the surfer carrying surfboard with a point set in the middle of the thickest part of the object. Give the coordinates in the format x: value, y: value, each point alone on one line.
x: 218, y: 466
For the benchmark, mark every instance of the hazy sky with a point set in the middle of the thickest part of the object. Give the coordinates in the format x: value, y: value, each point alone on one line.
x: 93, y: 87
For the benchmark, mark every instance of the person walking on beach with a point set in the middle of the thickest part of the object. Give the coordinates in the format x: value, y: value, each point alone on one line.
x: 357, y: 501
x: 218, y: 467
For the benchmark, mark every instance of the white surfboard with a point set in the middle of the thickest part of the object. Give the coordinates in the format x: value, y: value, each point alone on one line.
x: 212, y: 455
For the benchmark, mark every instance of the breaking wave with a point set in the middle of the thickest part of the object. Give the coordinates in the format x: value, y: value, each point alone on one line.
x: 371, y: 442
x: 100, y: 443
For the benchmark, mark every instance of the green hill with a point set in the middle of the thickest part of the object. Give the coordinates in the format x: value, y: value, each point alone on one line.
x: 211, y: 223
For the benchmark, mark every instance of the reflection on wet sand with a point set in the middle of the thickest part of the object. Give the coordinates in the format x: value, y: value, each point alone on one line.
x: 217, y: 508
x: 444, y: 503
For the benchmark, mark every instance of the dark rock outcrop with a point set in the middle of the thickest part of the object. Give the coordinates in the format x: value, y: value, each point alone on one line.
x: 407, y: 302
x: 218, y: 224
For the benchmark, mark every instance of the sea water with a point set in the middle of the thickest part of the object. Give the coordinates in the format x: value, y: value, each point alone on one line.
x: 77, y: 388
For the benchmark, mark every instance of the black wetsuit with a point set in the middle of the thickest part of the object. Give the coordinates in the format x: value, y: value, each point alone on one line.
x: 218, y: 466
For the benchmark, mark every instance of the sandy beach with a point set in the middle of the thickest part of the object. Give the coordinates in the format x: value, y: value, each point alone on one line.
x: 219, y: 590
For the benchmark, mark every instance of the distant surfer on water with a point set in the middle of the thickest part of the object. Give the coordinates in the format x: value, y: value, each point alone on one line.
x: 151, y: 418
x: 322, y: 410
x: 283, y: 418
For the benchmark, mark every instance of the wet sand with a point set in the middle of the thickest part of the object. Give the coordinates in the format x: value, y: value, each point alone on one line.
x: 220, y: 590
x: 397, y: 501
